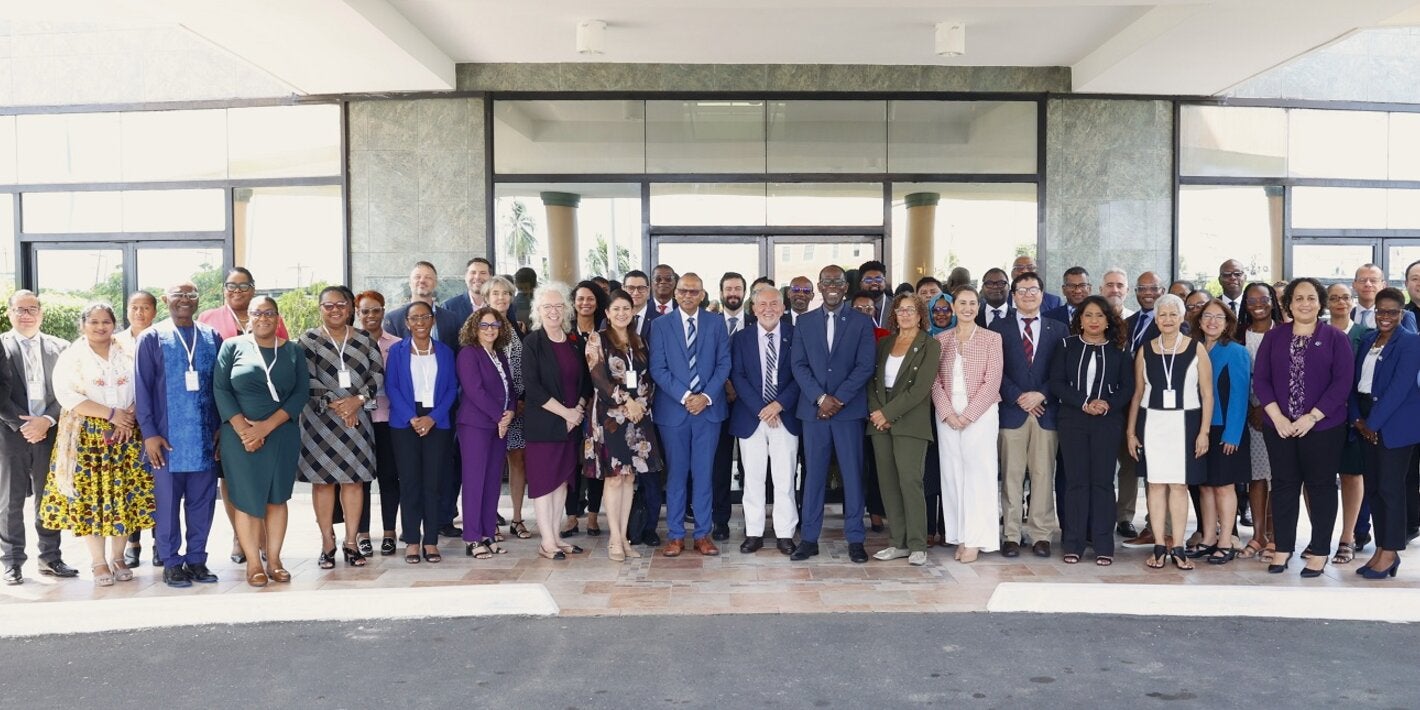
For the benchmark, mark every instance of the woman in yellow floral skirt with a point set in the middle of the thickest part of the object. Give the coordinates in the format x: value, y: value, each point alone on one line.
x: 98, y: 488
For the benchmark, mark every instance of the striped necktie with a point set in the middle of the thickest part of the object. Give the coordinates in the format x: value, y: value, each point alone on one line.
x: 771, y: 369
x: 690, y: 348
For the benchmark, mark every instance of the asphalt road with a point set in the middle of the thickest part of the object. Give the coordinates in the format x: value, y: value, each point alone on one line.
x: 796, y: 661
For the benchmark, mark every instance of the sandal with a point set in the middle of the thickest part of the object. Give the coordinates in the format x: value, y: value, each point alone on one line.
x: 558, y: 555
x: 1202, y: 551
x: 1180, y: 559
x: 1252, y: 549
x: 1268, y: 552
x: 495, y: 548
x: 327, y: 559
x: 411, y: 558
x: 433, y: 558
x: 1158, y: 559
x: 1345, y: 552
x: 519, y: 530
x: 105, y: 579
x: 121, y: 572
x: 1104, y: 560
x: 1222, y: 556
x: 1072, y: 558
x: 478, y: 551
x: 353, y: 557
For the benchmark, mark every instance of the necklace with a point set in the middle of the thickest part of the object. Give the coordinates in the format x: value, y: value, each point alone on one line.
x: 415, y: 346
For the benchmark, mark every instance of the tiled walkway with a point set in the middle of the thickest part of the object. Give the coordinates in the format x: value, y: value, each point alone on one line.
x: 765, y: 582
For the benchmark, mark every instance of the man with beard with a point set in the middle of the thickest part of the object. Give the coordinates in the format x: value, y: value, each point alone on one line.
x: 476, y: 273
x: 1115, y: 288
x: 1026, y: 265
x: 1076, y: 287
x: 801, y: 294
x: 732, y: 301
x: 1232, y: 277
x: 873, y: 282
x: 663, y: 280
x: 994, y: 285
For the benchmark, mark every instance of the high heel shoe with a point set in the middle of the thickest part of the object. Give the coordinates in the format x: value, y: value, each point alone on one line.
x: 327, y: 559
x: 433, y: 558
x: 1373, y: 573
x: 614, y: 553
x: 1309, y: 573
x: 1279, y: 569
x: 353, y: 557
x: 133, y: 555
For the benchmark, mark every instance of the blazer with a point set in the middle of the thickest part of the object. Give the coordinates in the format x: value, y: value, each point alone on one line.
x: 981, y: 366
x: 1066, y: 371
x: 12, y: 379
x: 1395, y: 395
x: 461, y: 306
x: 1151, y: 332
x: 670, y: 367
x: 484, y: 393
x: 1048, y: 301
x: 981, y: 314
x: 1407, y: 320
x: 1018, y: 377
x: 1329, y: 372
x: 907, y: 405
x: 399, y: 384
x: 645, y: 329
x: 843, y: 372
x: 1060, y: 313
x: 542, y: 381
x: 448, y: 322
x: 747, y: 375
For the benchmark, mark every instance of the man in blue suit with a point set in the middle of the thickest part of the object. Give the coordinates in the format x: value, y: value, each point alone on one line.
x: 1028, y: 438
x: 762, y: 418
x: 1026, y: 265
x: 1076, y: 287
x: 690, y: 363
x: 476, y: 273
x: 833, y: 361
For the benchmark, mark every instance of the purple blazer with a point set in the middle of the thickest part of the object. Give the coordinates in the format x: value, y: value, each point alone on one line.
x: 484, y: 395
x: 1328, y: 370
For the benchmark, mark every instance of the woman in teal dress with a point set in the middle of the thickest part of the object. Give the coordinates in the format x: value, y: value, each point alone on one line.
x: 261, y: 385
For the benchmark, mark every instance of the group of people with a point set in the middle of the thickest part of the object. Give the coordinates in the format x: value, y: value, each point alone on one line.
x: 987, y: 419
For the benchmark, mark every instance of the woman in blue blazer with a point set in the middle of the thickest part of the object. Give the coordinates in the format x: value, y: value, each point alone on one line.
x: 422, y: 385
x: 1385, y: 409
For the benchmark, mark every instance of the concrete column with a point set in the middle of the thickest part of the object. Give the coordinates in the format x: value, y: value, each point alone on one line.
x: 241, y: 200
x: 1275, y: 219
x: 561, y: 235
x: 921, y: 235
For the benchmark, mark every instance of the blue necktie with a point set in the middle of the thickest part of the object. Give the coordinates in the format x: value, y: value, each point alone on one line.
x: 771, y: 362
x: 690, y: 347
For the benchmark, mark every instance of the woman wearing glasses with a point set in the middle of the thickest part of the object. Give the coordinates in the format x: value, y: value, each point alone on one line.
x: 337, y: 437
x: 486, y: 404
x: 261, y: 385
x: 498, y: 292
x: 371, y: 314
x: 1339, y: 302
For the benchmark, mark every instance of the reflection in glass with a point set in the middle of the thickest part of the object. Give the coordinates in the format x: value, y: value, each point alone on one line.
x: 1399, y: 256
x: 283, y: 141
x: 291, y: 236
x: 1329, y: 263
x: 704, y: 136
x: 7, y: 240
x: 1355, y: 208
x: 174, y: 145
x: 569, y: 136
x: 1338, y: 144
x: 73, y: 147
x: 962, y: 136
x: 977, y: 226
x: 827, y: 136
x: 709, y: 204
x: 608, y: 222
x: 816, y: 204
x: 1218, y: 223
x: 1233, y: 141
x: 791, y: 259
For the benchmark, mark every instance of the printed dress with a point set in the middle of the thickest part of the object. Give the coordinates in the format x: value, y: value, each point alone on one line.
x: 616, y: 446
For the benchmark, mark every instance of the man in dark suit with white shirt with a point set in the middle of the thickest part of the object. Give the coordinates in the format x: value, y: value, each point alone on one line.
x: 1232, y: 278
x: 650, y: 494
x: 801, y: 294
x: 995, y: 305
x: 476, y: 273
x: 1076, y: 287
x: 1027, y: 265
x: 732, y: 301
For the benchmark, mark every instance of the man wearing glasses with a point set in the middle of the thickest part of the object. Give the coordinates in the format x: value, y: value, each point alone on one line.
x: 1026, y: 265
x: 872, y: 282
x: 663, y: 282
x: 638, y: 285
x: 178, y: 417
x: 1076, y: 287
x: 1141, y: 325
x: 1368, y: 282
x: 801, y: 294
x: 1028, y: 436
x: 1232, y: 278
x: 994, y: 285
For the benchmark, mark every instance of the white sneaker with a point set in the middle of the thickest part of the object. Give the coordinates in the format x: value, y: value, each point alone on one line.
x: 917, y: 559
x: 890, y: 553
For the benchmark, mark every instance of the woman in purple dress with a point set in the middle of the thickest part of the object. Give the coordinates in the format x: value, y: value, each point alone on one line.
x: 486, y: 403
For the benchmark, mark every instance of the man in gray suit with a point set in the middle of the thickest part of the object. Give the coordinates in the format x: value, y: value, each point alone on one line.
x: 29, y: 412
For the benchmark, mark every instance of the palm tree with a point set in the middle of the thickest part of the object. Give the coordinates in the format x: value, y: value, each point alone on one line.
x: 598, y: 261
x: 519, y: 227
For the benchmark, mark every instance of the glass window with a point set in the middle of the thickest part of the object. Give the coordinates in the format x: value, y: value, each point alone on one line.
x: 608, y: 222
x: 159, y: 268
x: 810, y: 204
x: 1355, y: 208
x: 8, y: 150
x: 1233, y: 141
x: 75, y: 147
x: 77, y: 276
x: 1217, y: 223
x: 705, y: 136
x: 977, y: 226
x: 70, y: 212
x: 174, y: 145
x: 291, y: 237
x: 795, y: 258
x: 827, y: 136
x: 1405, y: 146
x: 709, y: 204
x: 7, y: 242
x: 1398, y: 256
x: 569, y: 136
x: 125, y: 211
x: 1329, y: 263
x: 1338, y: 144
x: 711, y: 260
x: 283, y: 141
x: 962, y: 136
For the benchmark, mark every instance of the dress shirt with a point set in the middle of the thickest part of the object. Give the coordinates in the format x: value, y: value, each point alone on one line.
x: 998, y: 312
x: 685, y: 318
x: 738, y: 323
x: 764, y: 336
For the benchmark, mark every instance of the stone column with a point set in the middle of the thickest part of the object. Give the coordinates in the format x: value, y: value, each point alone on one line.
x: 561, y: 235
x: 1275, y: 218
x: 921, y: 235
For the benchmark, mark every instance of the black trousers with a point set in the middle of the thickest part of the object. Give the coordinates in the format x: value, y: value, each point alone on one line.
x: 583, y: 495
x: 932, y: 489
x: 1385, y: 472
x: 1412, y: 493
x: 422, y: 461
x: 725, y: 468
x: 1089, y: 446
x: 1310, y: 461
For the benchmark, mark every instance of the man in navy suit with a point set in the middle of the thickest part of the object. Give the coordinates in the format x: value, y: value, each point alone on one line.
x: 476, y: 273
x: 762, y: 418
x: 1028, y: 438
x: 1026, y: 265
x: 1076, y: 287
x: 1141, y: 325
x: 995, y: 303
x: 1369, y: 281
x: 650, y: 494
x: 833, y: 361
x: 690, y: 363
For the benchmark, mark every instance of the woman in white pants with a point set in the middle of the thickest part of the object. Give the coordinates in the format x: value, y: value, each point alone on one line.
x: 967, y: 390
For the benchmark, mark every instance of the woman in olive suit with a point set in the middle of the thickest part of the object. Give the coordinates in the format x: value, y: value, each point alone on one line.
x: 900, y: 424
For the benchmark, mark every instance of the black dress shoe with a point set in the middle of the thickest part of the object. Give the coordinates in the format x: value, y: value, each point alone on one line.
x: 752, y: 544
x: 1245, y: 520
x: 1126, y: 530
x: 157, y: 561
x: 451, y: 531
x: 132, y: 556
x: 12, y: 576
x: 57, y: 568
x: 804, y: 551
x: 199, y: 573
x: 856, y: 553
x: 785, y: 545
x: 1010, y: 548
x: 175, y: 576
x: 721, y: 533
x: 651, y: 539
x: 1041, y: 548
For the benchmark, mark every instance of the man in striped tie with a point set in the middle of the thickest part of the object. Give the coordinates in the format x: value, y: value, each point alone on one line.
x: 690, y: 362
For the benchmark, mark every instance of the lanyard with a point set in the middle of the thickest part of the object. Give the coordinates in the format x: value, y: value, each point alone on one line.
x: 502, y: 377
x: 237, y: 321
x: 1173, y: 356
x: 344, y: 341
x: 191, y: 351
x: 275, y: 355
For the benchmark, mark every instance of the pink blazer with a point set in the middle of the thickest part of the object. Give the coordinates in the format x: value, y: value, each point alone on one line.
x: 981, y: 363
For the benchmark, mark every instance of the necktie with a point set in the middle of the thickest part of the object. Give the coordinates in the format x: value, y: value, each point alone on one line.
x: 995, y: 313
x: 1368, y: 317
x: 661, y: 308
x: 690, y: 348
x: 636, y: 324
x: 1027, y: 342
x: 828, y: 319
x: 1140, y: 326
x: 34, y: 371
x: 734, y: 324
x: 771, y: 368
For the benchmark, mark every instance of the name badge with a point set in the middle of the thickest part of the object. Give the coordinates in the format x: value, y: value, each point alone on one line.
x: 631, y: 379
x: 34, y: 390
x: 344, y: 379
x: 190, y: 380
x: 1169, y: 399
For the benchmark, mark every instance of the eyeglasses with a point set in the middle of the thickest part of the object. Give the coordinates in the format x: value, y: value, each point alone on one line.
x: 255, y: 315
x: 834, y: 283
x: 689, y: 292
x: 1197, y: 306
x: 485, y: 325
x: 905, y: 311
x: 802, y: 290
x: 371, y: 311
x: 1370, y: 280
x: 636, y: 289
x: 232, y: 287
x: 943, y: 311
x: 874, y: 280
x: 1230, y: 274
x: 421, y: 318
x: 26, y: 310
x: 1028, y: 291
x: 1148, y: 289
x: 183, y: 295
x: 1264, y: 301
x: 1022, y: 268
x: 995, y: 283
x: 1389, y: 312
x: 663, y: 279
x: 865, y: 308
x: 1076, y: 287
x: 1338, y: 297
x: 1212, y: 317
x: 334, y: 306
x: 553, y: 306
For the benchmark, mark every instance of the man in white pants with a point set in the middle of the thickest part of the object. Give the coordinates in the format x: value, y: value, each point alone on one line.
x: 762, y: 418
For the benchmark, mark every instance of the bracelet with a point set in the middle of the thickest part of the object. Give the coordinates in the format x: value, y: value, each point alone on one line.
x: 111, y: 412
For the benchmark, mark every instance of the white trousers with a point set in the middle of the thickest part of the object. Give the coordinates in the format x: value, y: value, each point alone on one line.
x: 970, y: 497
x: 777, y: 450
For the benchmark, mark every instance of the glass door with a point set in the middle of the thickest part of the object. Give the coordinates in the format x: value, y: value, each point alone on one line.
x: 1332, y: 260
x: 1399, y: 253
x: 711, y: 257
x: 76, y: 273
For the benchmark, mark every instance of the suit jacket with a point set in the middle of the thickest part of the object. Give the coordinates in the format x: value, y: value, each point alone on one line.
x: 460, y: 306
x: 484, y: 392
x: 843, y: 372
x: 1048, y: 301
x: 1018, y: 377
x: 670, y: 367
x: 1066, y: 371
x: 399, y: 385
x: 1151, y: 332
x: 907, y: 405
x: 981, y: 369
x: 1395, y: 397
x: 1407, y: 321
x: 447, y: 321
x: 542, y: 381
x: 12, y: 379
x: 645, y: 327
x: 747, y: 375
x: 981, y: 314
x: 1060, y: 313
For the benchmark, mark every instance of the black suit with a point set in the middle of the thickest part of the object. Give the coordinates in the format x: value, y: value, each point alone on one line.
x: 1136, y: 336
x: 24, y: 466
x: 1006, y: 312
